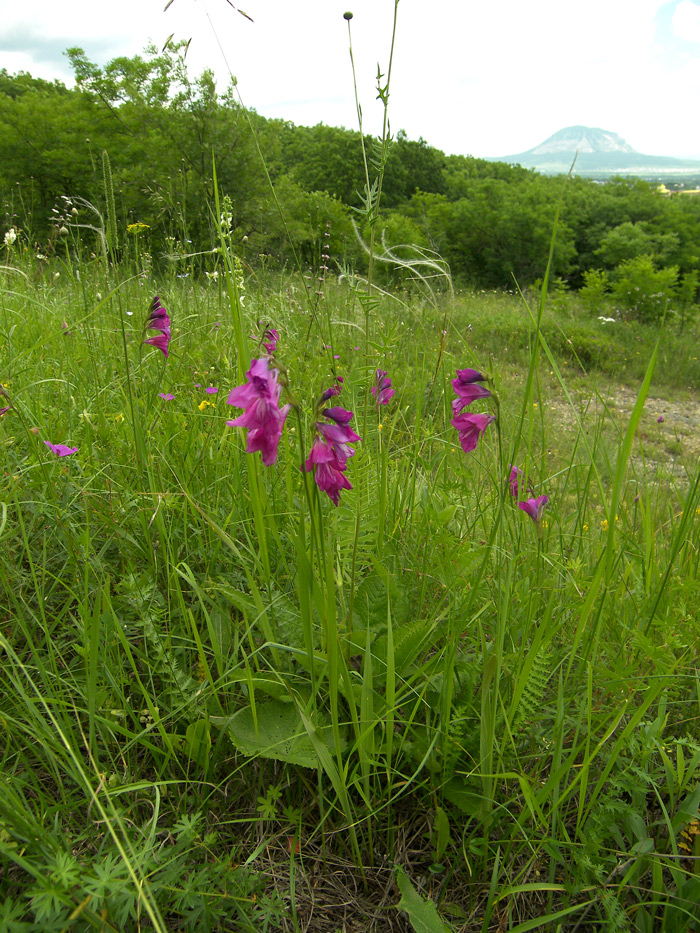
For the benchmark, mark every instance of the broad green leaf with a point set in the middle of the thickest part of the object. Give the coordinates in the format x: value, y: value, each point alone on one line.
x: 422, y: 913
x: 280, y: 734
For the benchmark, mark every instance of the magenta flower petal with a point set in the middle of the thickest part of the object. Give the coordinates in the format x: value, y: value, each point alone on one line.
x: 211, y: 390
x: 330, y: 452
x: 467, y: 376
x: 534, y: 507
x: 329, y: 470
x: 270, y: 338
x: 470, y: 428
x: 329, y: 393
x: 158, y: 320
x: 4, y: 411
x: 160, y: 341
x: 382, y: 390
x: 60, y: 449
x: 467, y: 395
x: 514, y: 480
x: 166, y: 396
x: 263, y: 417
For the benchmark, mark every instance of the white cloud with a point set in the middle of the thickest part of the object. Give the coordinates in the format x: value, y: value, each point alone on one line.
x: 686, y: 21
x: 487, y: 78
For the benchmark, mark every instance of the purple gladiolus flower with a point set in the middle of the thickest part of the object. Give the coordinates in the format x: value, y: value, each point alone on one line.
x: 534, y: 507
x: 465, y: 385
x: 515, y: 479
x: 382, y: 390
x: 329, y: 473
x: 660, y: 419
x: 270, y: 338
x: 158, y: 320
x: 60, y: 449
x: 160, y: 341
x: 263, y: 417
x: 166, y: 396
x: 329, y: 393
x: 470, y: 428
x: 330, y: 452
x: 211, y: 390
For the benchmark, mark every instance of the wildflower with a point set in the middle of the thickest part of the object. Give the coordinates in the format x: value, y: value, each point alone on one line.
x: 160, y: 342
x: 465, y: 385
x: 60, y: 449
x: 270, y: 338
x: 211, y: 390
x: 332, y: 391
x: 203, y: 405
x: 4, y: 411
x: 263, y: 417
x: 514, y: 480
x: 10, y: 237
x: 660, y: 419
x: 470, y: 428
x: 534, y: 507
x: 158, y: 320
x: 604, y: 524
x: 330, y: 452
x: 382, y: 390
x: 166, y: 396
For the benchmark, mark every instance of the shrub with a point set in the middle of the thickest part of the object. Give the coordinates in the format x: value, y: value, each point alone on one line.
x: 595, y: 289
x: 640, y: 288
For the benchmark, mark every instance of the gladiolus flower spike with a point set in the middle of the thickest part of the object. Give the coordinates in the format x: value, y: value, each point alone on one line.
x: 515, y: 480
x: 470, y: 427
x: 330, y: 452
x: 382, y: 390
x: 263, y: 417
x: 158, y: 320
x: 270, y: 338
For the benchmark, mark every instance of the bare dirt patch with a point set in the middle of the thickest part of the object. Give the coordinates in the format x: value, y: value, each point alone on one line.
x: 671, y: 444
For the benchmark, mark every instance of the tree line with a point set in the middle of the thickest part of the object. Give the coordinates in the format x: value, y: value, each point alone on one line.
x: 164, y: 131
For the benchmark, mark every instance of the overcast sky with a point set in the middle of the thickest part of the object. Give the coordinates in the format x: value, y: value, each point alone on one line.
x: 487, y: 78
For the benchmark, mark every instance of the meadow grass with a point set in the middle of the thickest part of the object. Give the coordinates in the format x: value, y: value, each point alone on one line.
x: 228, y: 704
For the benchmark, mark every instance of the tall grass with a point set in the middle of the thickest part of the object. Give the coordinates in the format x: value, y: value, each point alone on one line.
x: 179, y: 690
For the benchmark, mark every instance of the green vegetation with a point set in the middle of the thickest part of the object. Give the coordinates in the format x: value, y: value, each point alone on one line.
x: 203, y: 710
x: 465, y: 698
x: 490, y: 221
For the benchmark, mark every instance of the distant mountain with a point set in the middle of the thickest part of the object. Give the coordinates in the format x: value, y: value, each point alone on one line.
x: 597, y: 152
